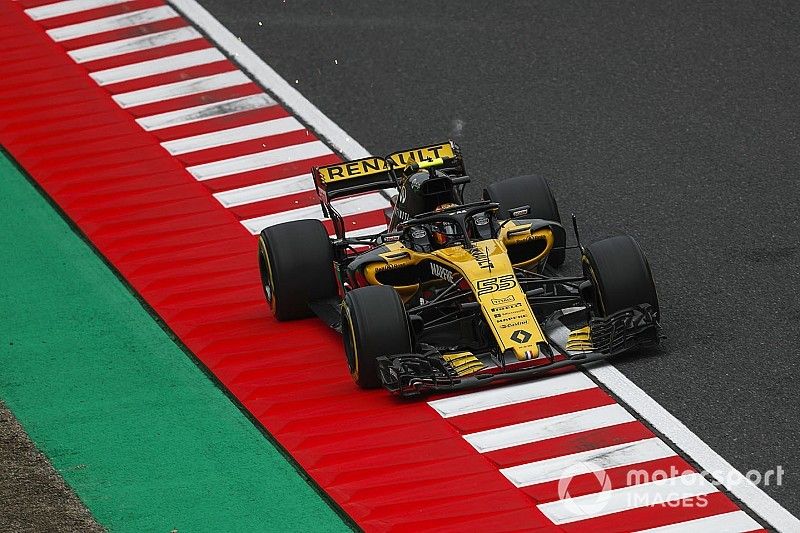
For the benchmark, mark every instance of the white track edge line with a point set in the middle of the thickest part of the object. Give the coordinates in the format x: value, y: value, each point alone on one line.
x: 686, y: 440
x: 755, y: 498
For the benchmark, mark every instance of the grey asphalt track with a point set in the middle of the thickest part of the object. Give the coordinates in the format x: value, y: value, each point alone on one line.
x: 674, y: 122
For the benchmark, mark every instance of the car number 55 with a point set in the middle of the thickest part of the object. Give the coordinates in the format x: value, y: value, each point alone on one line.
x: 499, y: 283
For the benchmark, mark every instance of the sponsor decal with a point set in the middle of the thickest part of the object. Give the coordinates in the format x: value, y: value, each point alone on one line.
x: 353, y: 169
x: 503, y: 300
x: 481, y: 220
x: 418, y: 234
x: 377, y: 165
x: 400, y: 214
x: 499, y: 283
x: 427, y: 153
x: 514, y: 324
x: 482, y: 257
x: 403, y: 194
x: 441, y: 272
x: 521, y: 336
x: 389, y: 266
x: 509, y: 319
x: 506, y: 307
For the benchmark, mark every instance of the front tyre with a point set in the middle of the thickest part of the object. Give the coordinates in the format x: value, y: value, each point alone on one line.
x: 620, y: 276
x: 535, y: 192
x: 295, y: 260
x: 374, y: 324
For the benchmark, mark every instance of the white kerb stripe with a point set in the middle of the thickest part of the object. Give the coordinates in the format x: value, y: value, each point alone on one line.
x: 67, y: 8
x: 373, y: 230
x: 265, y: 191
x: 259, y: 160
x: 625, y: 498
x: 512, y: 394
x: 126, y: 20
x: 134, y: 44
x: 548, y: 428
x: 156, y: 66
x: 204, y: 112
x: 733, y: 522
x: 347, y: 206
x: 232, y: 135
x: 285, y: 92
x: 181, y: 88
x: 626, y: 454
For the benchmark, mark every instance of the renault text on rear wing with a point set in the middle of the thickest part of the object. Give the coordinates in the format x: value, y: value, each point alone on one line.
x: 373, y: 173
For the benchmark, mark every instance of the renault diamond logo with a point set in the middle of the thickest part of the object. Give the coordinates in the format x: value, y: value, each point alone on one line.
x: 521, y: 336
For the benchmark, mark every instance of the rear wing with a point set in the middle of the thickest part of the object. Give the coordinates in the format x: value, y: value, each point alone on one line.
x: 376, y: 173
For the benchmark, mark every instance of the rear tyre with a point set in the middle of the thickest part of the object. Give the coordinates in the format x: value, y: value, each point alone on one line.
x: 620, y: 275
x: 296, y: 264
x: 374, y: 324
x: 535, y: 192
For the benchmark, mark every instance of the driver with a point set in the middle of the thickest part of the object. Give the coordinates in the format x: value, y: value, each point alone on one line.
x: 444, y: 232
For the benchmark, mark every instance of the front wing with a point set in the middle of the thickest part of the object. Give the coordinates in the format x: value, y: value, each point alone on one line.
x: 574, y: 341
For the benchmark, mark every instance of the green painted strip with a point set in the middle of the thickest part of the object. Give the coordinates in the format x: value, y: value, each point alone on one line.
x: 142, y: 435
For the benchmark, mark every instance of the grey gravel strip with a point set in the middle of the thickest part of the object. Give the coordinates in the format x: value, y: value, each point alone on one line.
x: 33, y: 496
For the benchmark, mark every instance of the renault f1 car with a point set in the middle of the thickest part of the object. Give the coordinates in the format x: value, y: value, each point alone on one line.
x: 453, y: 294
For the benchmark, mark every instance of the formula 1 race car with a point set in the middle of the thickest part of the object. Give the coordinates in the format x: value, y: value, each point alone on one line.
x: 455, y: 294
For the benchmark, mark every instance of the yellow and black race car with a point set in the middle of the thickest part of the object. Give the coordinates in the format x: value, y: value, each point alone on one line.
x: 454, y: 294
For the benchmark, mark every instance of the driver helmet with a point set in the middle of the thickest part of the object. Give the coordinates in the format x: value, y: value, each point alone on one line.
x: 443, y: 231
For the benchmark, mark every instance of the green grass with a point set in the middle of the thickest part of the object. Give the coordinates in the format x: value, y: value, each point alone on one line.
x: 142, y: 435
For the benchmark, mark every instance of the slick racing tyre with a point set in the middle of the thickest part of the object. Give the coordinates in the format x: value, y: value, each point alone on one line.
x: 620, y: 275
x: 532, y: 191
x: 374, y: 324
x: 296, y: 264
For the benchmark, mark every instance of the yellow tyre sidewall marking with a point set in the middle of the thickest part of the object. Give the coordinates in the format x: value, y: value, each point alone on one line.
x: 584, y: 259
x: 354, y: 372
x: 263, y: 245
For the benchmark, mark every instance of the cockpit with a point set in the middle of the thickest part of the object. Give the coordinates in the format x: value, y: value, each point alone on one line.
x: 452, y: 225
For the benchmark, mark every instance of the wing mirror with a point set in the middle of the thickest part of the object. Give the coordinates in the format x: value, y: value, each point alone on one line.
x: 519, y: 212
x: 515, y: 213
x: 391, y: 237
